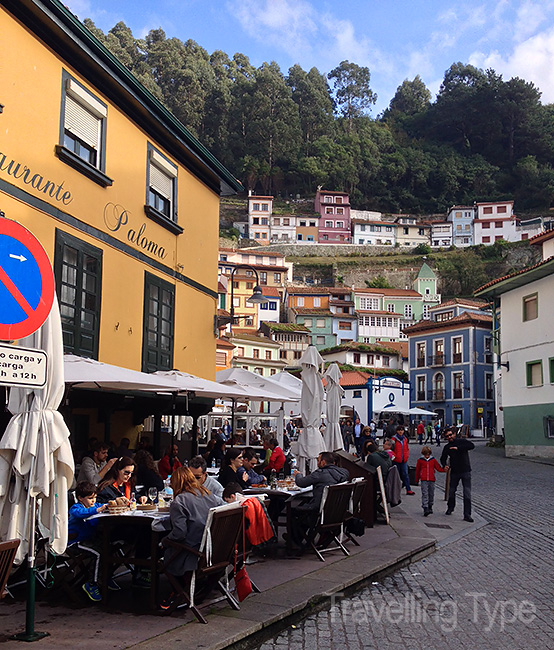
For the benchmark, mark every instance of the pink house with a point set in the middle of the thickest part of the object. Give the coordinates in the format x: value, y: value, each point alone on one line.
x: 334, y: 217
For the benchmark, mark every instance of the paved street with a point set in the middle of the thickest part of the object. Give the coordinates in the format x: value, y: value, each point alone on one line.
x: 491, y: 589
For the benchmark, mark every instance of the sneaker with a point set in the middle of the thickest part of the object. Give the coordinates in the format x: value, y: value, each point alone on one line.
x: 142, y: 581
x: 410, y: 492
x: 449, y: 512
x: 468, y: 518
x: 167, y: 602
x: 92, y: 591
x: 426, y: 512
x: 113, y: 586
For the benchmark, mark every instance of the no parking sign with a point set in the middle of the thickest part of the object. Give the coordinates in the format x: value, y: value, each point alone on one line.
x: 26, y: 282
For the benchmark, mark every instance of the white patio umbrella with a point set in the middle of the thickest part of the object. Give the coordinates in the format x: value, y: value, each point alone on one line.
x: 335, y: 392
x: 35, y: 454
x: 310, y: 441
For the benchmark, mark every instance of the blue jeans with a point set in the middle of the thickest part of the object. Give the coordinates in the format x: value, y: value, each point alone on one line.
x: 404, y: 475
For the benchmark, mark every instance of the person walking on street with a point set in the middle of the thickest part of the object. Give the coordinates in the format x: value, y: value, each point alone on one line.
x: 456, y: 452
x: 425, y: 474
x: 401, y: 453
x: 420, y: 432
x: 358, y: 438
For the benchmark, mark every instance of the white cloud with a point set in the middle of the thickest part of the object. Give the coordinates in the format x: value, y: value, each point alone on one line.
x: 531, y: 60
x: 529, y: 17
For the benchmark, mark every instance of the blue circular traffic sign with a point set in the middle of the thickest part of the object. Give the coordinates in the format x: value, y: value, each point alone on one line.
x: 26, y: 282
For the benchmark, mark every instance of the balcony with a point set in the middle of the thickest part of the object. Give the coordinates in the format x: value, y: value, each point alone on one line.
x: 432, y: 297
x: 457, y: 393
x: 488, y: 357
x: 436, y: 360
x: 421, y: 362
x: 457, y: 357
x: 420, y: 396
x: 436, y: 395
x: 489, y: 393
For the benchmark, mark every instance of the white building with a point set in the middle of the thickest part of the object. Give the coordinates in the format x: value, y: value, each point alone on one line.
x: 283, y: 229
x: 364, y: 355
x: 523, y: 316
x: 441, y: 234
x: 269, y: 311
x: 373, y: 233
x: 259, y: 216
x: 494, y: 221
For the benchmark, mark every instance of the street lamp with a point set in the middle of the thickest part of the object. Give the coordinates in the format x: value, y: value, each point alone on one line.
x: 256, y: 297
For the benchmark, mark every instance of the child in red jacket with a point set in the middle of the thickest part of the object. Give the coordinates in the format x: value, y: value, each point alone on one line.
x: 425, y: 472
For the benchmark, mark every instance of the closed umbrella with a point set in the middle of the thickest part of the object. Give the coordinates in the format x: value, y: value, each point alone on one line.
x: 35, y: 455
x: 310, y: 441
x: 335, y: 392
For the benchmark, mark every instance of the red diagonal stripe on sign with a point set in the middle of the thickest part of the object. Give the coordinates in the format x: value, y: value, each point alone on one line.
x: 19, y: 297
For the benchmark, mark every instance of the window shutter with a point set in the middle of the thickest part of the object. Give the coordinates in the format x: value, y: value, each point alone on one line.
x: 161, y: 182
x: 81, y: 123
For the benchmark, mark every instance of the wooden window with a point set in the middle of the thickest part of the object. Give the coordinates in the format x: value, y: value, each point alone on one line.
x: 159, y: 319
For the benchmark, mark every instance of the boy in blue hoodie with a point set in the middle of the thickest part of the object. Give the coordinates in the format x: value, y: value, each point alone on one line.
x: 82, y: 531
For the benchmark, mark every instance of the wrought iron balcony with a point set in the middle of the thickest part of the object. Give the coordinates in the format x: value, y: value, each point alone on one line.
x: 457, y: 393
x: 436, y: 395
x: 457, y: 357
x: 421, y: 362
x: 436, y: 360
x: 420, y: 396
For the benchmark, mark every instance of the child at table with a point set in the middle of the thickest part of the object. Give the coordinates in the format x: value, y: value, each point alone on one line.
x: 82, y: 532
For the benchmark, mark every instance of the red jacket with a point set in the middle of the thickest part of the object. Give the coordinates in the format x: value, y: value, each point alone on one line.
x: 259, y: 529
x: 277, y: 459
x: 425, y: 469
x: 163, y: 466
x: 400, y: 450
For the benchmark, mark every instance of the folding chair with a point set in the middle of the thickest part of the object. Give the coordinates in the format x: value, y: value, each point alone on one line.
x: 216, y: 552
x: 359, y: 487
x: 332, y: 515
x: 7, y: 555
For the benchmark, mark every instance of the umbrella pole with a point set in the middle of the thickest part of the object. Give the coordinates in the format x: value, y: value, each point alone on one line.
x: 233, y: 402
x: 30, y: 634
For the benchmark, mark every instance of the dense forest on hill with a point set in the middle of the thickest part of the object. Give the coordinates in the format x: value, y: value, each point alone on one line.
x: 483, y: 138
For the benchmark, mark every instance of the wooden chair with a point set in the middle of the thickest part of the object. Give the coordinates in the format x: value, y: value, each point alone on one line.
x: 332, y: 515
x: 7, y: 555
x: 216, y: 553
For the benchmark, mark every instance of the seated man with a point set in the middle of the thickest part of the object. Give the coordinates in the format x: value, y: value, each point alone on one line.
x: 277, y: 458
x: 249, y: 462
x: 377, y: 458
x: 199, y: 468
x: 304, y: 512
x: 95, y: 467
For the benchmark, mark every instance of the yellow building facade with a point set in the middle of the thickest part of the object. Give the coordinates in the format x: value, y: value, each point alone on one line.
x: 122, y: 197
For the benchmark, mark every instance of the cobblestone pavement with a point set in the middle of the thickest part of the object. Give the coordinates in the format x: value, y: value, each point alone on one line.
x: 493, y: 588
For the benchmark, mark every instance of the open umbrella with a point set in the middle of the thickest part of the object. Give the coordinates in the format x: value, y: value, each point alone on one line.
x: 36, y: 459
x: 310, y: 441
x: 335, y: 392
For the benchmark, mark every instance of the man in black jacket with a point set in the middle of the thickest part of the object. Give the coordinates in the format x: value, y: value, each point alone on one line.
x: 456, y: 450
x: 304, y: 513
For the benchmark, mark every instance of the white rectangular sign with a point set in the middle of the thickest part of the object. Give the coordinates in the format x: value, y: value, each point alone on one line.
x: 22, y: 366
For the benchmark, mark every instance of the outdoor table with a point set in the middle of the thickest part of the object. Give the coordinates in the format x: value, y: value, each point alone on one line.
x: 282, y: 493
x: 142, y: 521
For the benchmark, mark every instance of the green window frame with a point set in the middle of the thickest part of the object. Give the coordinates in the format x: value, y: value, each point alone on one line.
x: 78, y: 272
x: 159, y: 324
x: 530, y: 369
x: 551, y: 366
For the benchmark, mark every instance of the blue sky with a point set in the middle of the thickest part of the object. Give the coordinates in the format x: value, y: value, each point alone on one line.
x: 396, y: 39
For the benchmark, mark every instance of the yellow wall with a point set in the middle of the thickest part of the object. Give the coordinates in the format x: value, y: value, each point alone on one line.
x: 31, y: 82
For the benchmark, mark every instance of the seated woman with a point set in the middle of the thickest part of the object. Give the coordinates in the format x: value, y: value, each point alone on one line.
x: 118, y: 482
x: 228, y: 472
x: 147, y: 475
x: 188, y: 514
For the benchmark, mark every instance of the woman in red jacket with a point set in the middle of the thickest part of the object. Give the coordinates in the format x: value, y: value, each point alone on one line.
x: 425, y: 472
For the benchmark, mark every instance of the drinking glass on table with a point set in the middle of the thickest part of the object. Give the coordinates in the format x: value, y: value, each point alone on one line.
x: 152, y: 494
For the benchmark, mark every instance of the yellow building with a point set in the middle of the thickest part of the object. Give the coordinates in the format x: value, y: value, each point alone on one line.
x: 123, y: 198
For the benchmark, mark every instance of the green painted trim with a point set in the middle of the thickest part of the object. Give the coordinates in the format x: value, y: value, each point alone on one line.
x: 528, y: 372
x: 524, y: 425
x: 35, y: 202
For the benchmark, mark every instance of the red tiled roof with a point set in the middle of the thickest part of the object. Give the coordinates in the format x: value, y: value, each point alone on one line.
x: 271, y: 291
x: 255, y: 196
x: 466, y: 318
x: 220, y: 287
x: 390, y: 292
x: 315, y: 311
x: 308, y: 290
x: 460, y: 301
x: 513, y: 275
x: 224, y: 343
x: 354, y: 378
x: 378, y: 313
x: 493, y: 202
x: 400, y: 346
x: 541, y: 237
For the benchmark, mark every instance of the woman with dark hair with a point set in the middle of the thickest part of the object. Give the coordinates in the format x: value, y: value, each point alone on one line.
x: 217, y: 453
x: 229, y: 470
x: 147, y: 475
x: 118, y: 482
x: 188, y: 513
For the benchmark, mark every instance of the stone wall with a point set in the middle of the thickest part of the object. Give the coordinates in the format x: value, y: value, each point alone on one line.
x: 327, y: 250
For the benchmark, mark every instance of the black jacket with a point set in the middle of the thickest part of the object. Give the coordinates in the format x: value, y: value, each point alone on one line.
x: 328, y: 475
x: 459, y: 458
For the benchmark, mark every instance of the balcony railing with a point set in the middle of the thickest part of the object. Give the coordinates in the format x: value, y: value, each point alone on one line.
x: 457, y: 357
x: 490, y: 393
x: 436, y: 395
x: 488, y: 357
x: 420, y: 396
x: 457, y: 393
x: 432, y: 297
x: 421, y: 362
x: 436, y: 360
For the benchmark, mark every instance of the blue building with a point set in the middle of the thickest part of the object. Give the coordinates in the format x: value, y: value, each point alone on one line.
x: 451, y: 369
